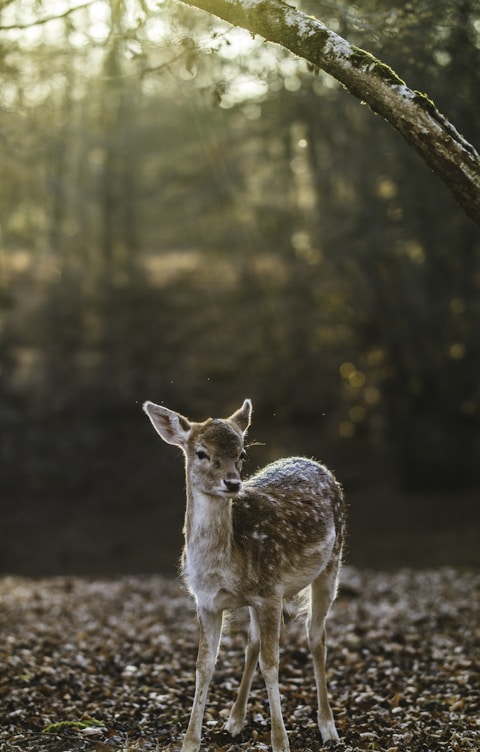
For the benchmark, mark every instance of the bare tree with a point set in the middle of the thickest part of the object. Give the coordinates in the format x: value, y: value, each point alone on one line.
x: 412, y: 113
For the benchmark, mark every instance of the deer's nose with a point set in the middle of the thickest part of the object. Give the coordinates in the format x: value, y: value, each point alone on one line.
x: 233, y: 485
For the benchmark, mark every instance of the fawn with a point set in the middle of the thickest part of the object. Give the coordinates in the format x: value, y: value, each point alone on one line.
x: 254, y: 544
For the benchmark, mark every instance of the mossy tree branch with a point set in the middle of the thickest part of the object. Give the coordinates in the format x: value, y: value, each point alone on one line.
x: 411, y: 113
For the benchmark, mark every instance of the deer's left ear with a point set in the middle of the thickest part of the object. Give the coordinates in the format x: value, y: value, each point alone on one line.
x: 172, y: 427
x: 241, y: 418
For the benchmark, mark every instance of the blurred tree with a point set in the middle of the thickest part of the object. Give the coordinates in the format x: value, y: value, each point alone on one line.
x: 190, y: 213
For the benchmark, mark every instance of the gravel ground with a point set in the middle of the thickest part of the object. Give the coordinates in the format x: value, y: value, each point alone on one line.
x: 102, y: 665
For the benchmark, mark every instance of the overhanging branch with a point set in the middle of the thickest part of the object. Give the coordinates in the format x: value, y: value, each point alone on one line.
x: 411, y: 113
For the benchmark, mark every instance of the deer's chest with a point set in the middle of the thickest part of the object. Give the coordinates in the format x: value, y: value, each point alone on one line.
x: 212, y: 581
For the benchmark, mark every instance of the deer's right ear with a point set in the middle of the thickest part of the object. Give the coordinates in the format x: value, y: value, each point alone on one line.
x: 242, y: 417
x: 172, y: 427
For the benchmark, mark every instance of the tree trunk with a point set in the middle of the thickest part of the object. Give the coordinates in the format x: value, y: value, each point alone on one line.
x: 410, y: 112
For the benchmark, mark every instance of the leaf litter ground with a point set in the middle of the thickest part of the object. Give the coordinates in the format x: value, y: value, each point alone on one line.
x: 99, y: 665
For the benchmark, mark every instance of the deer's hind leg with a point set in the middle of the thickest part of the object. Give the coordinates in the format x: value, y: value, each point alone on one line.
x: 237, y: 717
x: 323, y: 591
x: 269, y: 618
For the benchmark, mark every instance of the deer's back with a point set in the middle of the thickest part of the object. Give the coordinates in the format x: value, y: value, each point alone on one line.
x: 289, y: 517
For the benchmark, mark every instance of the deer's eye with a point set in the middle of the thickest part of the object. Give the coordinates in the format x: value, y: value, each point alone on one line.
x: 202, y: 455
x: 243, y: 456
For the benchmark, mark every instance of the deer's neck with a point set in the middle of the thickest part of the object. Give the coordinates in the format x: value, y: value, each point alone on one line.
x: 207, y: 558
x: 208, y: 522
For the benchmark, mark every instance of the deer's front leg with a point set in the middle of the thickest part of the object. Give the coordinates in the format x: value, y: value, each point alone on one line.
x: 210, y: 630
x: 269, y: 617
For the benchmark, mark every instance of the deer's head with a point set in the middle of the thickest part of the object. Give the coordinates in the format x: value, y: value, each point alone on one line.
x: 214, y: 449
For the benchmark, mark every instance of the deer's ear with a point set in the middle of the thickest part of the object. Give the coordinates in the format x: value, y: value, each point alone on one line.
x: 242, y: 417
x: 172, y: 427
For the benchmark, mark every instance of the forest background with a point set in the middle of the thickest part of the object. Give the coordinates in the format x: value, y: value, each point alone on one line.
x: 193, y: 216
